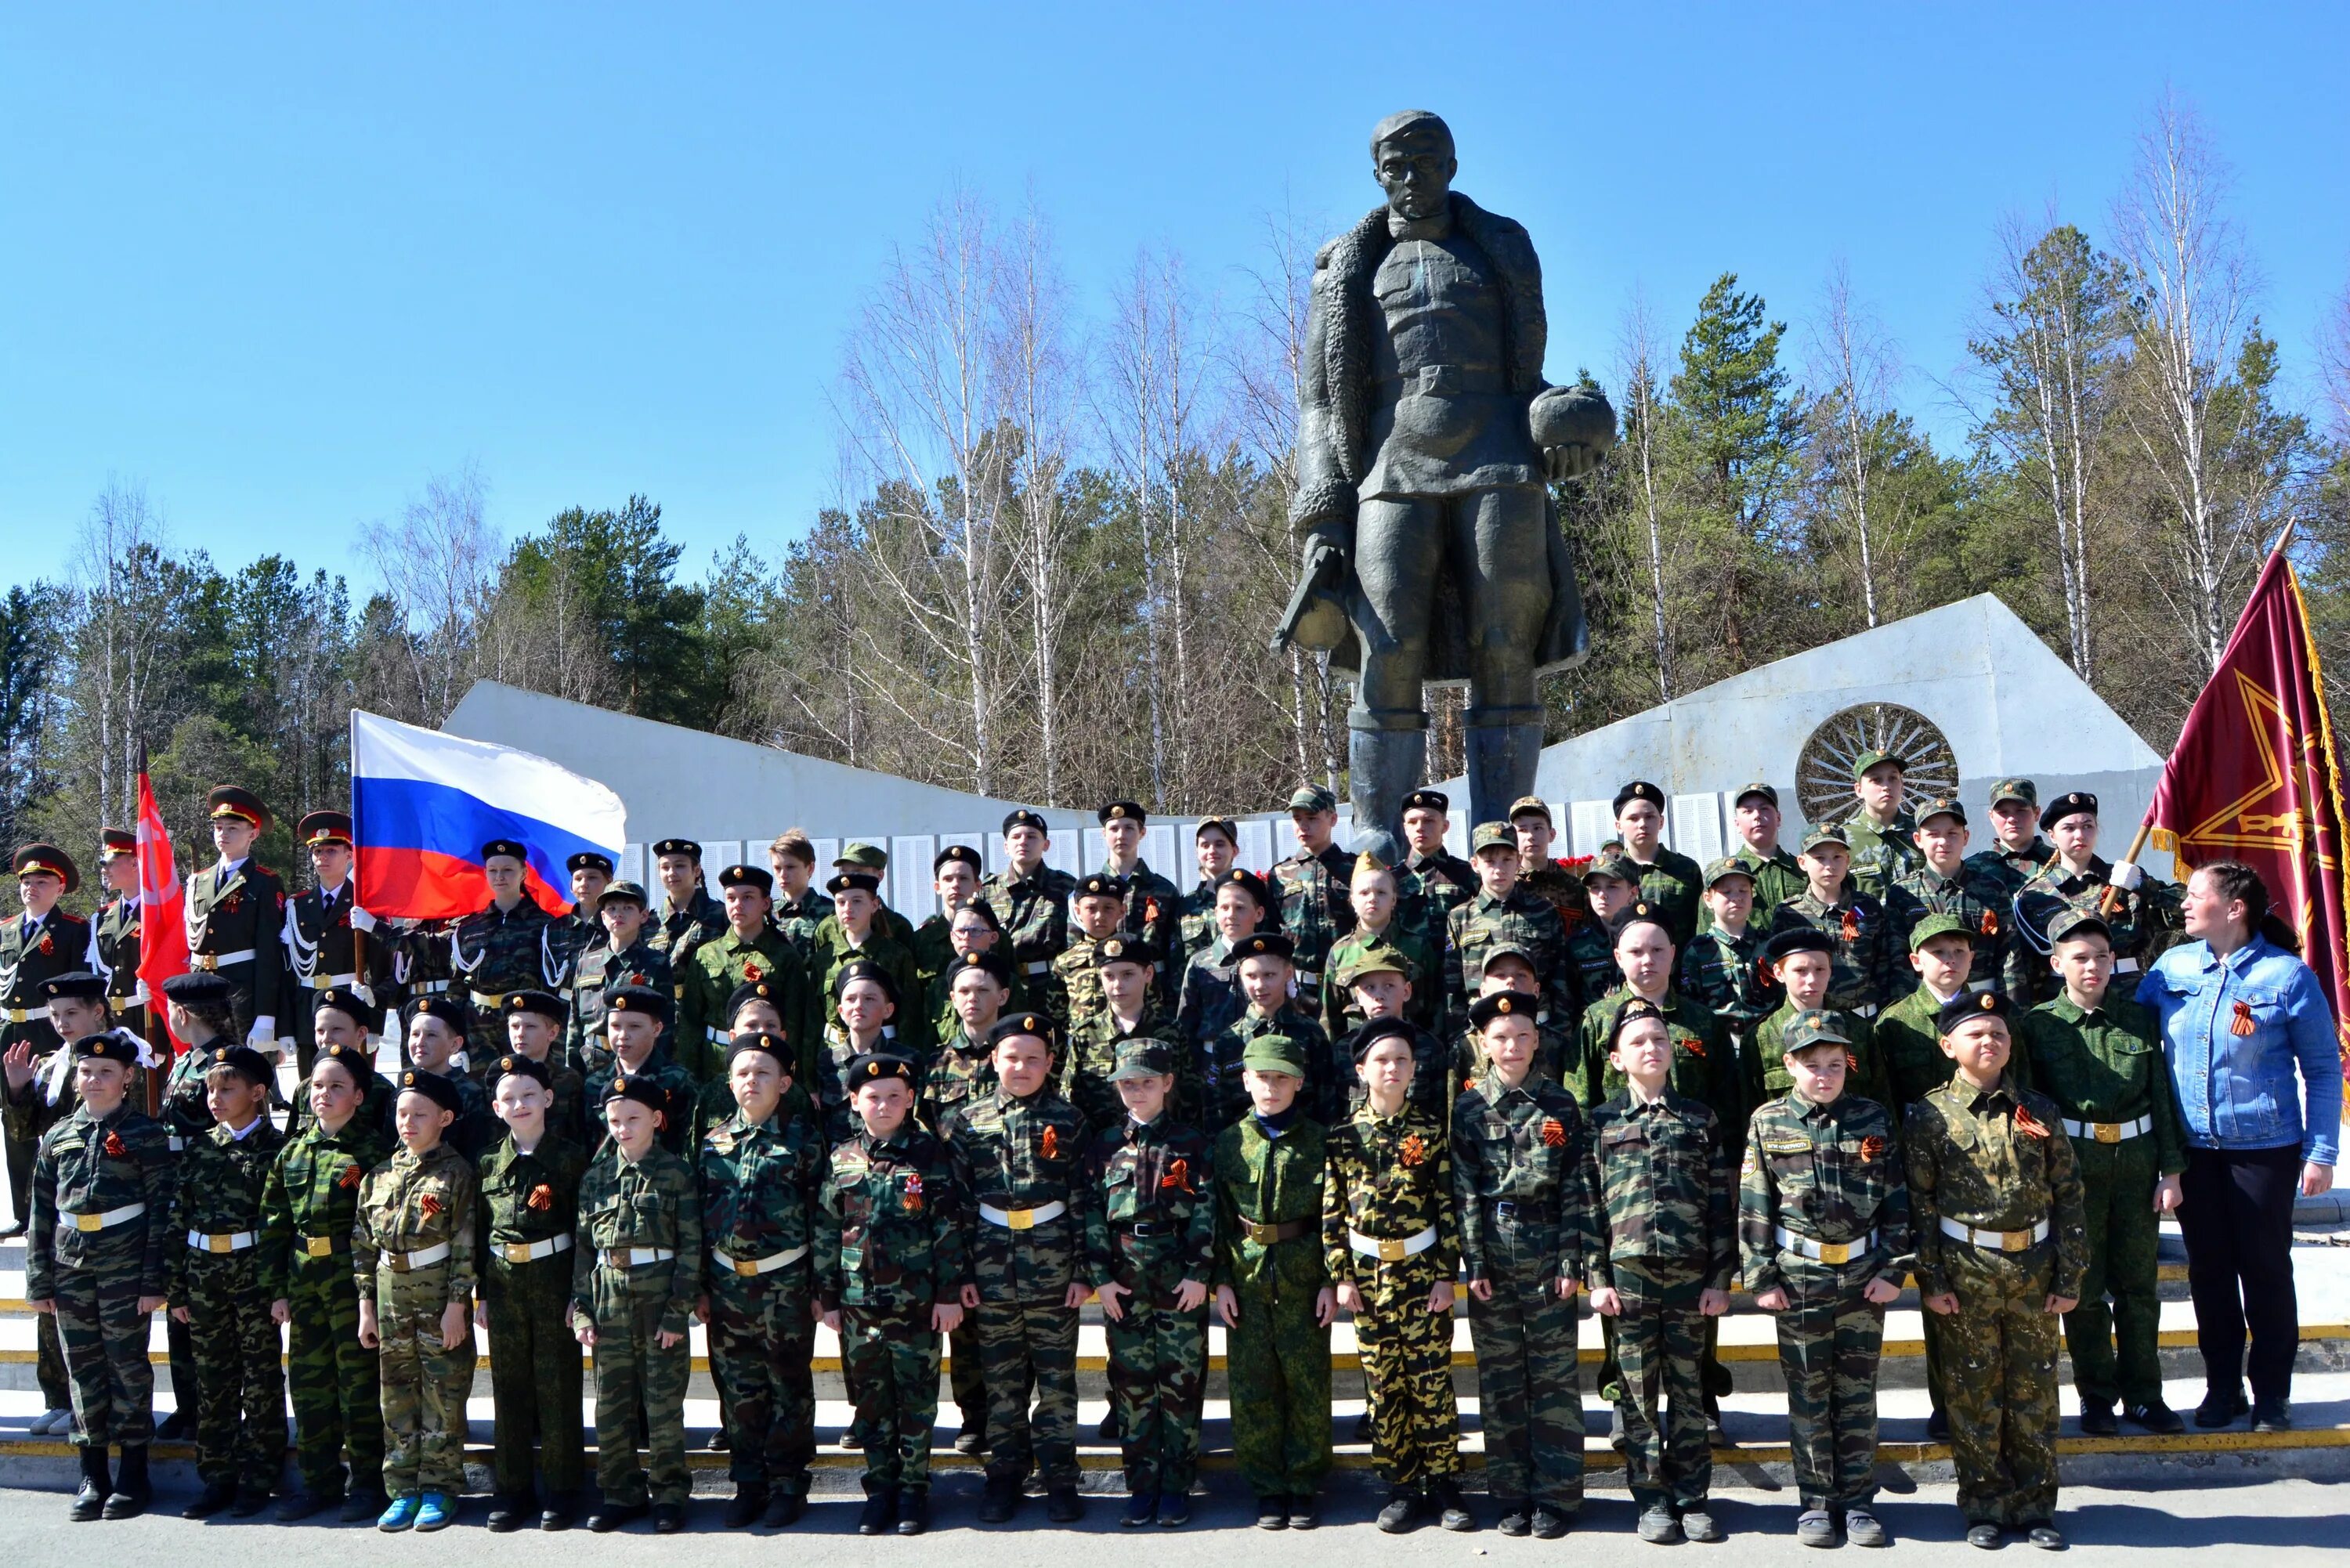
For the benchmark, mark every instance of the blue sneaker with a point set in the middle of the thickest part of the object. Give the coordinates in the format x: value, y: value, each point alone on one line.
x: 439, y: 1509
x: 401, y: 1514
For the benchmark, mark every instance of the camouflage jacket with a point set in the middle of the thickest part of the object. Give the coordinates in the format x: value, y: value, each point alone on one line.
x: 681, y: 1117
x: 654, y: 1204
x: 1677, y: 883
x: 1224, y: 1098
x: 1262, y: 1184
x: 1435, y: 1074
x: 309, y: 1203
x: 960, y: 1070
x: 1390, y: 1179
x: 1554, y: 881
x: 1828, y: 1174
x: 798, y: 919
x: 493, y: 952
x: 1075, y: 996
x: 30, y: 954
x: 93, y: 1165
x: 761, y: 1191
x: 1776, y: 879
x: 1726, y: 973
x: 1591, y: 969
x: 1866, y: 1066
x: 1665, y: 1201
x: 833, y: 953
x: 1881, y: 857
x: 1970, y: 897
x: 1995, y: 1159
x: 2009, y: 870
x: 185, y: 1112
x: 525, y: 1199
x: 1518, y: 1173
x: 601, y: 971
x: 1034, y: 913
x: 1011, y: 1155
x: 673, y: 931
x: 1335, y: 1003
x: 1197, y: 922
x: 410, y: 1203
x: 893, y: 1230
x: 1311, y: 890
x: 2147, y: 921
x: 220, y: 1178
x: 709, y: 976
x: 1706, y: 1066
x: 1210, y: 997
x: 1151, y: 1220
x: 1090, y: 1054
x: 1154, y: 912
x: 477, y: 1126
x: 1451, y: 880
x: 1523, y: 919
x: 1869, y: 969
x: 2106, y: 1066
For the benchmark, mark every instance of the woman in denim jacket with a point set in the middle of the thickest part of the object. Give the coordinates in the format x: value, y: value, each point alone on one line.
x: 2240, y: 1013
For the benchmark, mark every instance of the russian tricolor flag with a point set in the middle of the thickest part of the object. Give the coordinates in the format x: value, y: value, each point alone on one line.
x: 423, y: 804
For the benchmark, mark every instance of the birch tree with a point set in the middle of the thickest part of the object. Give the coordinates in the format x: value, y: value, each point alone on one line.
x: 1643, y: 462
x: 438, y: 563
x: 119, y: 579
x: 1854, y: 363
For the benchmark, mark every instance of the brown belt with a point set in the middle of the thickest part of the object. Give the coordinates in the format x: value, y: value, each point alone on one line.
x: 1284, y: 1230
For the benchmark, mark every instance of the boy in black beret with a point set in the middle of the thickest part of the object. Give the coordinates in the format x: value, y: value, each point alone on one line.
x: 435, y: 1034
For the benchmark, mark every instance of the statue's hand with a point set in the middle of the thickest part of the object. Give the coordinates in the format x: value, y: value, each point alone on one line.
x: 1570, y: 460
x: 1320, y: 548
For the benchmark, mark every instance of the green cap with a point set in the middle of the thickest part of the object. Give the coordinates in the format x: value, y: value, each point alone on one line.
x: 626, y: 892
x: 1530, y: 804
x: 1814, y: 1027
x: 1376, y: 957
x: 864, y: 856
x: 2073, y: 923
x: 1518, y: 951
x: 1826, y: 833
x: 1933, y: 926
x: 1273, y: 1053
x: 1142, y: 1059
x: 1312, y: 797
x: 1867, y: 760
x: 1728, y: 865
x: 1492, y: 836
x: 2024, y: 790
x: 1768, y: 791
x: 1615, y: 867
x: 1942, y: 805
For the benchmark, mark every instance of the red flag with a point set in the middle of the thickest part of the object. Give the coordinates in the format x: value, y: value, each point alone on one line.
x: 162, y: 917
x: 2255, y: 778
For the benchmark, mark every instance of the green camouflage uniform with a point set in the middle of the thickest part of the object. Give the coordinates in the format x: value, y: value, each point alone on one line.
x: 1705, y: 1062
x: 1676, y: 884
x: 798, y: 919
x: 1449, y: 880
x: 1335, y: 1003
x: 601, y: 971
x: 1830, y: 1177
x: 961, y: 1070
x: 1224, y: 1096
x: 712, y: 973
x: 1519, y: 1170
x: 651, y: 1209
x: 910, y: 1031
x: 1662, y: 1176
x: 1091, y: 1054
x: 889, y: 1246
x: 1881, y: 857
x: 1868, y: 969
x: 1970, y: 897
x: 1391, y: 1181
x: 937, y: 1004
x: 1033, y: 912
x: 92, y: 1166
x: 2009, y: 870
x: 527, y: 1201
x: 240, y: 1392
x: 761, y: 1187
x: 1552, y: 880
x: 416, y: 1203
x: 1150, y: 1225
x: 1865, y: 1059
x: 1211, y: 996
x: 2145, y: 922
x: 681, y: 1118
x: 491, y: 953
x: 29, y: 1113
x: 1777, y: 879
x: 1310, y: 901
x: 1591, y: 972
x: 1269, y: 1252
x: 2104, y: 1070
x: 477, y: 1126
x: 1074, y: 993
x: 309, y: 1208
x: 672, y: 932
x: 1524, y: 920
x: 1197, y: 922
x: 1998, y: 1159
x: 1727, y: 974
x: 1018, y: 1156
x: 1154, y: 913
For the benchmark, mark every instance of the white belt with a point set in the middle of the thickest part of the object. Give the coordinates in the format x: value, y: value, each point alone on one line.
x: 1836, y: 1253
x: 215, y: 960
x: 629, y: 1257
x: 25, y: 1014
x: 492, y: 1000
x: 1307, y: 979
x: 1390, y: 1251
x: 103, y: 1220
x: 233, y: 1241
x: 432, y: 987
x: 176, y: 1142
x: 422, y: 1258
x: 2125, y: 966
x: 2110, y: 1132
x: 321, y: 982
x: 1041, y: 967
x: 1022, y: 1218
x: 752, y: 1268
x: 1999, y: 1241
x: 532, y: 1252
x: 718, y: 1036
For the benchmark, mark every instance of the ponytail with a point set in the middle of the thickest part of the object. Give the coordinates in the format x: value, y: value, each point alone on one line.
x: 2236, y: 882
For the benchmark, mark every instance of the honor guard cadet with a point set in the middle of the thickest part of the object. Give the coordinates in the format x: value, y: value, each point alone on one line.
x: 236, y: 915
x: 215, y: 1285
x: 636, y: 1277
x: 434, y: 1034
x: 626, y: 958
x: 1154, y: 906
x: 569, y: 935
x: 413, y: 1251
x: 2099, y: 1057
x: 497, y: 948
x: 2003, y: 1247
x: 1030, y: 899
x: 1309, y: 886
x: 633, y: 1022
x: 1668, y: 879
x: 114, y: 932
x: 955, y: 872
x: 1660, y: 1267
x: 1018, y: 1155
x: 891, y: 1275
x: 1126, y: 971
x: 1754, y: 813
x: 1520, y: 1183
x: 95, y: 1258
x: 420, y: 963
x: 800, y: 907
x: 1427, y: 819
x: 1372, y: 894
x: 1503, y: 912
x: 1097, y: 910
x: 40, y: 941
x: 1151, y: 1245
x: 861, y: 936
x: 748, y: 949
x: 1866, y: 938
x: 529, y: 1199
x: 1273, y: 1291
x: 2016, y: 852
x: 40, y: 1094
x: 1389, y: 1242
x: 1944, y: 884
x: 1823, y: 1226
x: 534, y: 1023
x: 1215, y: 846
x: 324, y: 928
x: 309, y: 1207
x: 1723, y: 966
x: 1881, y: 832
x: 688, y: 912
x: 762, y: 1174
x: 2145, y: 918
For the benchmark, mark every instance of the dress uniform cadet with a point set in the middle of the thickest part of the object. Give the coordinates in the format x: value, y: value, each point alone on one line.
x: 41, y: 941
x: 215, y: 1278
x: 836, y: 948
x: 476, y: 1126
x: 1777, y: 876
x: 1669, y: 879
x: 2001, y: 1243
x: 1962, y: 891
x: 604, y: 970
x: 41, y: 1093
x: 412, y: 1252
x: 567, y: 936
x: 1089, y: 1064
x: 309, y: 1206
x: 636, y: 1274
x: 1073, y: 992
x: 684, y: 917
x: 1151, y: 1233
x: 1219, y: 1051
x: 1390, y: 1243
x: 114, y: 932
x: 1520, y: 1171
x: 2145, y: 918
x: 94, y: 1256
x: 1724, y: 970
x: 2011, y: 869
x: 1154, y: 906
x: 2099, y: 1057
x: 892, y: 1267
x: 419, y: 966
x: 652, y: 1069
x: 1823, y: 1228
x: 1018, y: 1156
x: 1884, y: 848
x: 529, y: 1203
x: 1334, y: 1005
x: 1452, y: 880
x: 497, y: 948
x: 1273, y: 1292
x: 727, y: 958
x: 236, y: 914
x: 1661, y: 1177
x: 568, y: 1114
x: 1520, y: 918
x: 323, y: 931
x: 1309, y: 890
x: 1031, y: 900
x: 1867, y: 939
x: 762, y: 1176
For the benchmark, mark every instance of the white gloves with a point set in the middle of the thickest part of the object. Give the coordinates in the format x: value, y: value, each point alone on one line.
x: 361, y: 920
x: 263, y: 1036
x: 2126, y: 875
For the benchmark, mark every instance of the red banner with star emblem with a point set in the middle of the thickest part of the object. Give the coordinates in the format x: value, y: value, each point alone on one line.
x: 2255, y: 778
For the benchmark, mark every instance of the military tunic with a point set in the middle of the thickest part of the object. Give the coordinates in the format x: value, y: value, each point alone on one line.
x: 1154, y: 914
x: 114, y: 953
x: 714, y: 971
x: 1269, y: 1204
x: 1727, y: 974
x: 1866, y: 1065
x: 672, y: 931
x: 1676, y: 884
x: 760, y: 1190
x: 1033, y: 912
x: 1778, y: 876
x: 637, y: 1272
x: 1310, y: 897
x: 1882, y: 853
x: 1336, y: 1006
x: 322, y: 950
x: 601, y: 971
x: 1073, y: 993
x: 1970, y: 897
x: 1451, y: 880
x: 235, y: 916
x: 529, y: 1202
x: 798, y: 919
x: 908, y: 1027
x: 1705, y: 1061
x: 216, y: 1273
x: 1867, y: 969
x: 2009, y: 870
x: 2146, y: 921
x: 413, y: 1251
x: 491, y: 953
x: 1091, y: 1055
x: 1523, y: 919
x: 681, y: 1116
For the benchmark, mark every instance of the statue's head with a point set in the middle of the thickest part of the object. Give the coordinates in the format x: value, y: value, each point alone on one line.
x: 1411, y: 154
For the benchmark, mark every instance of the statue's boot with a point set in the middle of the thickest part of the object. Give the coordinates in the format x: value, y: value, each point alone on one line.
x: 1386, y: 754
x: 1504, y: 746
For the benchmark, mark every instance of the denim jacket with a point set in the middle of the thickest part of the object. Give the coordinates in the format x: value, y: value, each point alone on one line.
x: 2236, y: 1089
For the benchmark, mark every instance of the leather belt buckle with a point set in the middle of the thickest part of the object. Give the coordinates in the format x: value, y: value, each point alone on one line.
x: 87, y: 1223
x: 2106, y: 1132
x: 317, y: 1246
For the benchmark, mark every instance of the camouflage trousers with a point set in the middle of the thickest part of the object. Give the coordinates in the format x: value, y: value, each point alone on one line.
x: 1530, y: 1406
x: 332, y: 1377
x: 2116, y: 1348
x: 103, y: 1336
x: 425, y: 1384
x: 1277, y: 1370
x: 1661, y: 1408
x: 762, y: 1340
x: 967, y: 1376
x: 1829, y: 1339
x: 50, y: 1363
x: 2002, y: 1387
x: 1407, y: 1353
x: 535, y: 1378
x: 636, y: 1377
x: 1158, y: 1377
x: 1028, y: 1347
x: 240, y: 1392
x: 894, y: 1355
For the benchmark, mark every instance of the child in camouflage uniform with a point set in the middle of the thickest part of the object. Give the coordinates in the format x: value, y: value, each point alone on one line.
x: 1723, y: 965
x: 534, y: 1021
x: 435, y: 1034
x: 1096, y: 908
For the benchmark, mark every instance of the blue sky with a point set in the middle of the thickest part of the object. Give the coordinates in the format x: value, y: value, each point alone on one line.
x: 281, y: 266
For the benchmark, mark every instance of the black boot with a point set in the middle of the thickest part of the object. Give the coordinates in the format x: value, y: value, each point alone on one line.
x: 215, y: 1497
x: 913, y: 1510
x: 750, y: 1501
x: 562, y: 1507
x: 90, y: 1498
x: 880, y: 1512
x: 131, y: 1493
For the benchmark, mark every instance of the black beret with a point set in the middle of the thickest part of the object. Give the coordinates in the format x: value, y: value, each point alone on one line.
x: 1797, y: 939
x: 324, y: 828
x: 80, y: 985
x: 762, y: 990
x: 1247, y: 881
x: 545, y: 1003
x: 512, y: 848
x: 1100, y: 885
x: 359, y: 1061
x: 987, y: 963
x: 228, y: 800
x: 1974, y: 1004
x: 766, y: 1040
x: 589, y: 860
x: 342, y: 999
x: 639, y: 999
x: 447, y: 1009
x: 1634, y: 1010
x: 514, y: 1062
x: 677, y: 846
x: 1502, y: 1005
x: 197, y: 986
x: 2072, y: 803
x: 1639, y: 789
x: 1264, y: 944
x: 645, y: 1092
x: 1428, y: 800
x: 1021, y: 1023
x: 113, y: 1046
x: 1380, y: 1029
x: 1024, y: 818
x: 866, y: 969
x: 1124, y: 950
x: 1639, y: 912
x: 873, y: 1068
x: 441, y: 1090
x: 1122, y: 811
x: 963, y: 852
x: 747, y: 876
x: 248, y: 1063
x: 864, y: 880
x: 978, y: 906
